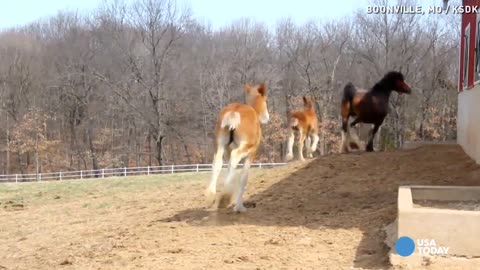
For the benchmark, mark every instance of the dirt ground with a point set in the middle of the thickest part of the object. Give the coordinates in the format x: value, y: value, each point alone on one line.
x: 326, y: 213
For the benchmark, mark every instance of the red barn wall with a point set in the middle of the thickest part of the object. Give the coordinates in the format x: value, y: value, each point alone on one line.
x: 468, y: 18
x: 468, y: 109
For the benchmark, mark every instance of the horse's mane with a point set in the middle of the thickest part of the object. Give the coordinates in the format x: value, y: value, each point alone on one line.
x: 382, y: 85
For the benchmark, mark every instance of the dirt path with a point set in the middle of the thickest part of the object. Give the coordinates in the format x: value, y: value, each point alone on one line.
x: 327, y: 213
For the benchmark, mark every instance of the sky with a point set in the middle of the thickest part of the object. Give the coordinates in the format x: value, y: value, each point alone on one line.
x: 216, y: 12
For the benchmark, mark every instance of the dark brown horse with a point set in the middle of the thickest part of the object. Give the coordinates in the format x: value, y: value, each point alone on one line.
x: 370, y: 107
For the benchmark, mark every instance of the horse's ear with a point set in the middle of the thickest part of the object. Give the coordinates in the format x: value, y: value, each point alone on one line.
x: 262, y: 89
x: 247, y: 88
x: 307, y: 102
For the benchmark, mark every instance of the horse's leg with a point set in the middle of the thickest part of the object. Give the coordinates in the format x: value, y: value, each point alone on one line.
x: 226, y: 154
x: 315, y: 139
x: 236, y: 156
x: 239, y: 207
x: 354, y: 139
x: 371, y: 136
x: 290, y: 141
x: 352, y: 134
x: 308, y: 146
x: 301, y: 142
x: 217, y: 167
x: 344, y: 143
x: 355, y: 122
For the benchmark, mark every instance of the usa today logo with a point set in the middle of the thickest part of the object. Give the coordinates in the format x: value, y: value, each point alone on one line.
x: 405, y: 246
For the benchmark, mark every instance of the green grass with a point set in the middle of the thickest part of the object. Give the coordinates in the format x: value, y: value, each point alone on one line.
x: 61, y: 191
x: 51, y: 192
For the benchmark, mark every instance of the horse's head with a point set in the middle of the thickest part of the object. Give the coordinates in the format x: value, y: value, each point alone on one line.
x: 396, y: 81
x: 256, y: 97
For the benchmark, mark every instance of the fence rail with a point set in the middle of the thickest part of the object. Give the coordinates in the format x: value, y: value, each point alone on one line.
x: 125, y: 171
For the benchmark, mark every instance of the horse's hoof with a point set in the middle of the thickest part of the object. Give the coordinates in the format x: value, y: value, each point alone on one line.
x: 353, y: 145
x: 239, y: 208
x: 302, y: 159
x: 289, y: 157
x: 224, y: 200
x: 369, y: 149
x: 210, y: 200
x: 210, y: 196
x: 210, y: 191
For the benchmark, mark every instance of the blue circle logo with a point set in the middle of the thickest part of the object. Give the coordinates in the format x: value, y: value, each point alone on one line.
x: 405, y: 246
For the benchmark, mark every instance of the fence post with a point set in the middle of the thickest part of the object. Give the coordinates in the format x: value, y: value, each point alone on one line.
x: 148, y: 170
x: 260, y: 165
x: 172, y: 169
x: 103, y: 173
x: 16, y: 178
x: 197, y: 167
x: 60, y: 176
x: 40, y: 177
x: 81, y: 174
x: 124, y: 171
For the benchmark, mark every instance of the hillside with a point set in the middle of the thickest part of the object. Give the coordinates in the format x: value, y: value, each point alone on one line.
x: 327, y: 213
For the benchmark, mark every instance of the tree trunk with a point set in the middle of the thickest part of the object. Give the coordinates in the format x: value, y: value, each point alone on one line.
x: 93, y: 153
x: 158, y: 145
x: 7, y: 166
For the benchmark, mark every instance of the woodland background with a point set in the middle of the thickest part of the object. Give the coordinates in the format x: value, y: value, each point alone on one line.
x: 141, y: 83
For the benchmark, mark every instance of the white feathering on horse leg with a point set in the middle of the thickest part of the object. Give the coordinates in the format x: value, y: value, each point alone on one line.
x: 239, y: 207
x: 343, y: 144
x: 315, y: 140
x: 301, y: 143
x: 217, y: 167
x: 229, y: 184
x: 290, y: 141
x: 353, y: 137
x: 308, y: 146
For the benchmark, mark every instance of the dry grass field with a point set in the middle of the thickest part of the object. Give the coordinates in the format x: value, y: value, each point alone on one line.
x: 327, y: 213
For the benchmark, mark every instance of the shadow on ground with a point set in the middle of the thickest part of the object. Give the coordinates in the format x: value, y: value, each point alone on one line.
x: 354, y: 191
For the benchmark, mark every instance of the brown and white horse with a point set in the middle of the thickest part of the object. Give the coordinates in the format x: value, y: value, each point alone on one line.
x: 305, y: 125
x: 369, y: 107
x: 238, y: 135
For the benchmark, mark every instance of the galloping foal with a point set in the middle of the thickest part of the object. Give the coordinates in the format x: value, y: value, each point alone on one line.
x: 305, y: 123
x: 238, y: 134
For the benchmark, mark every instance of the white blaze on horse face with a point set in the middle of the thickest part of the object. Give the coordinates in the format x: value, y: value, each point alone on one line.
x: 262, y: 110
x: 264, y: 117
x: 259, y: 102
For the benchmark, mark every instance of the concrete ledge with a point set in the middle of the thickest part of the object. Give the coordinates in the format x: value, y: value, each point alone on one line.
x: 417, y: 144
x: 449, y: 215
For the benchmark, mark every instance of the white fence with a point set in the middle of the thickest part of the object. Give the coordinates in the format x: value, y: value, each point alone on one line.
x: 126, y: 171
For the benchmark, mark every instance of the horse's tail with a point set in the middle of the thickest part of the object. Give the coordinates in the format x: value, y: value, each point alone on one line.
x: 348, y: 141
x: 231, y: 120
x: 293, y: 122
x: 347, y: 103
x: 307, y: 103
x: 348, y: 93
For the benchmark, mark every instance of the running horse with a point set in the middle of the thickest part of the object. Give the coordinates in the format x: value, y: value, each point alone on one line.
x: 370, y: 107
x: 305, y: 125
x: 238, y: 135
